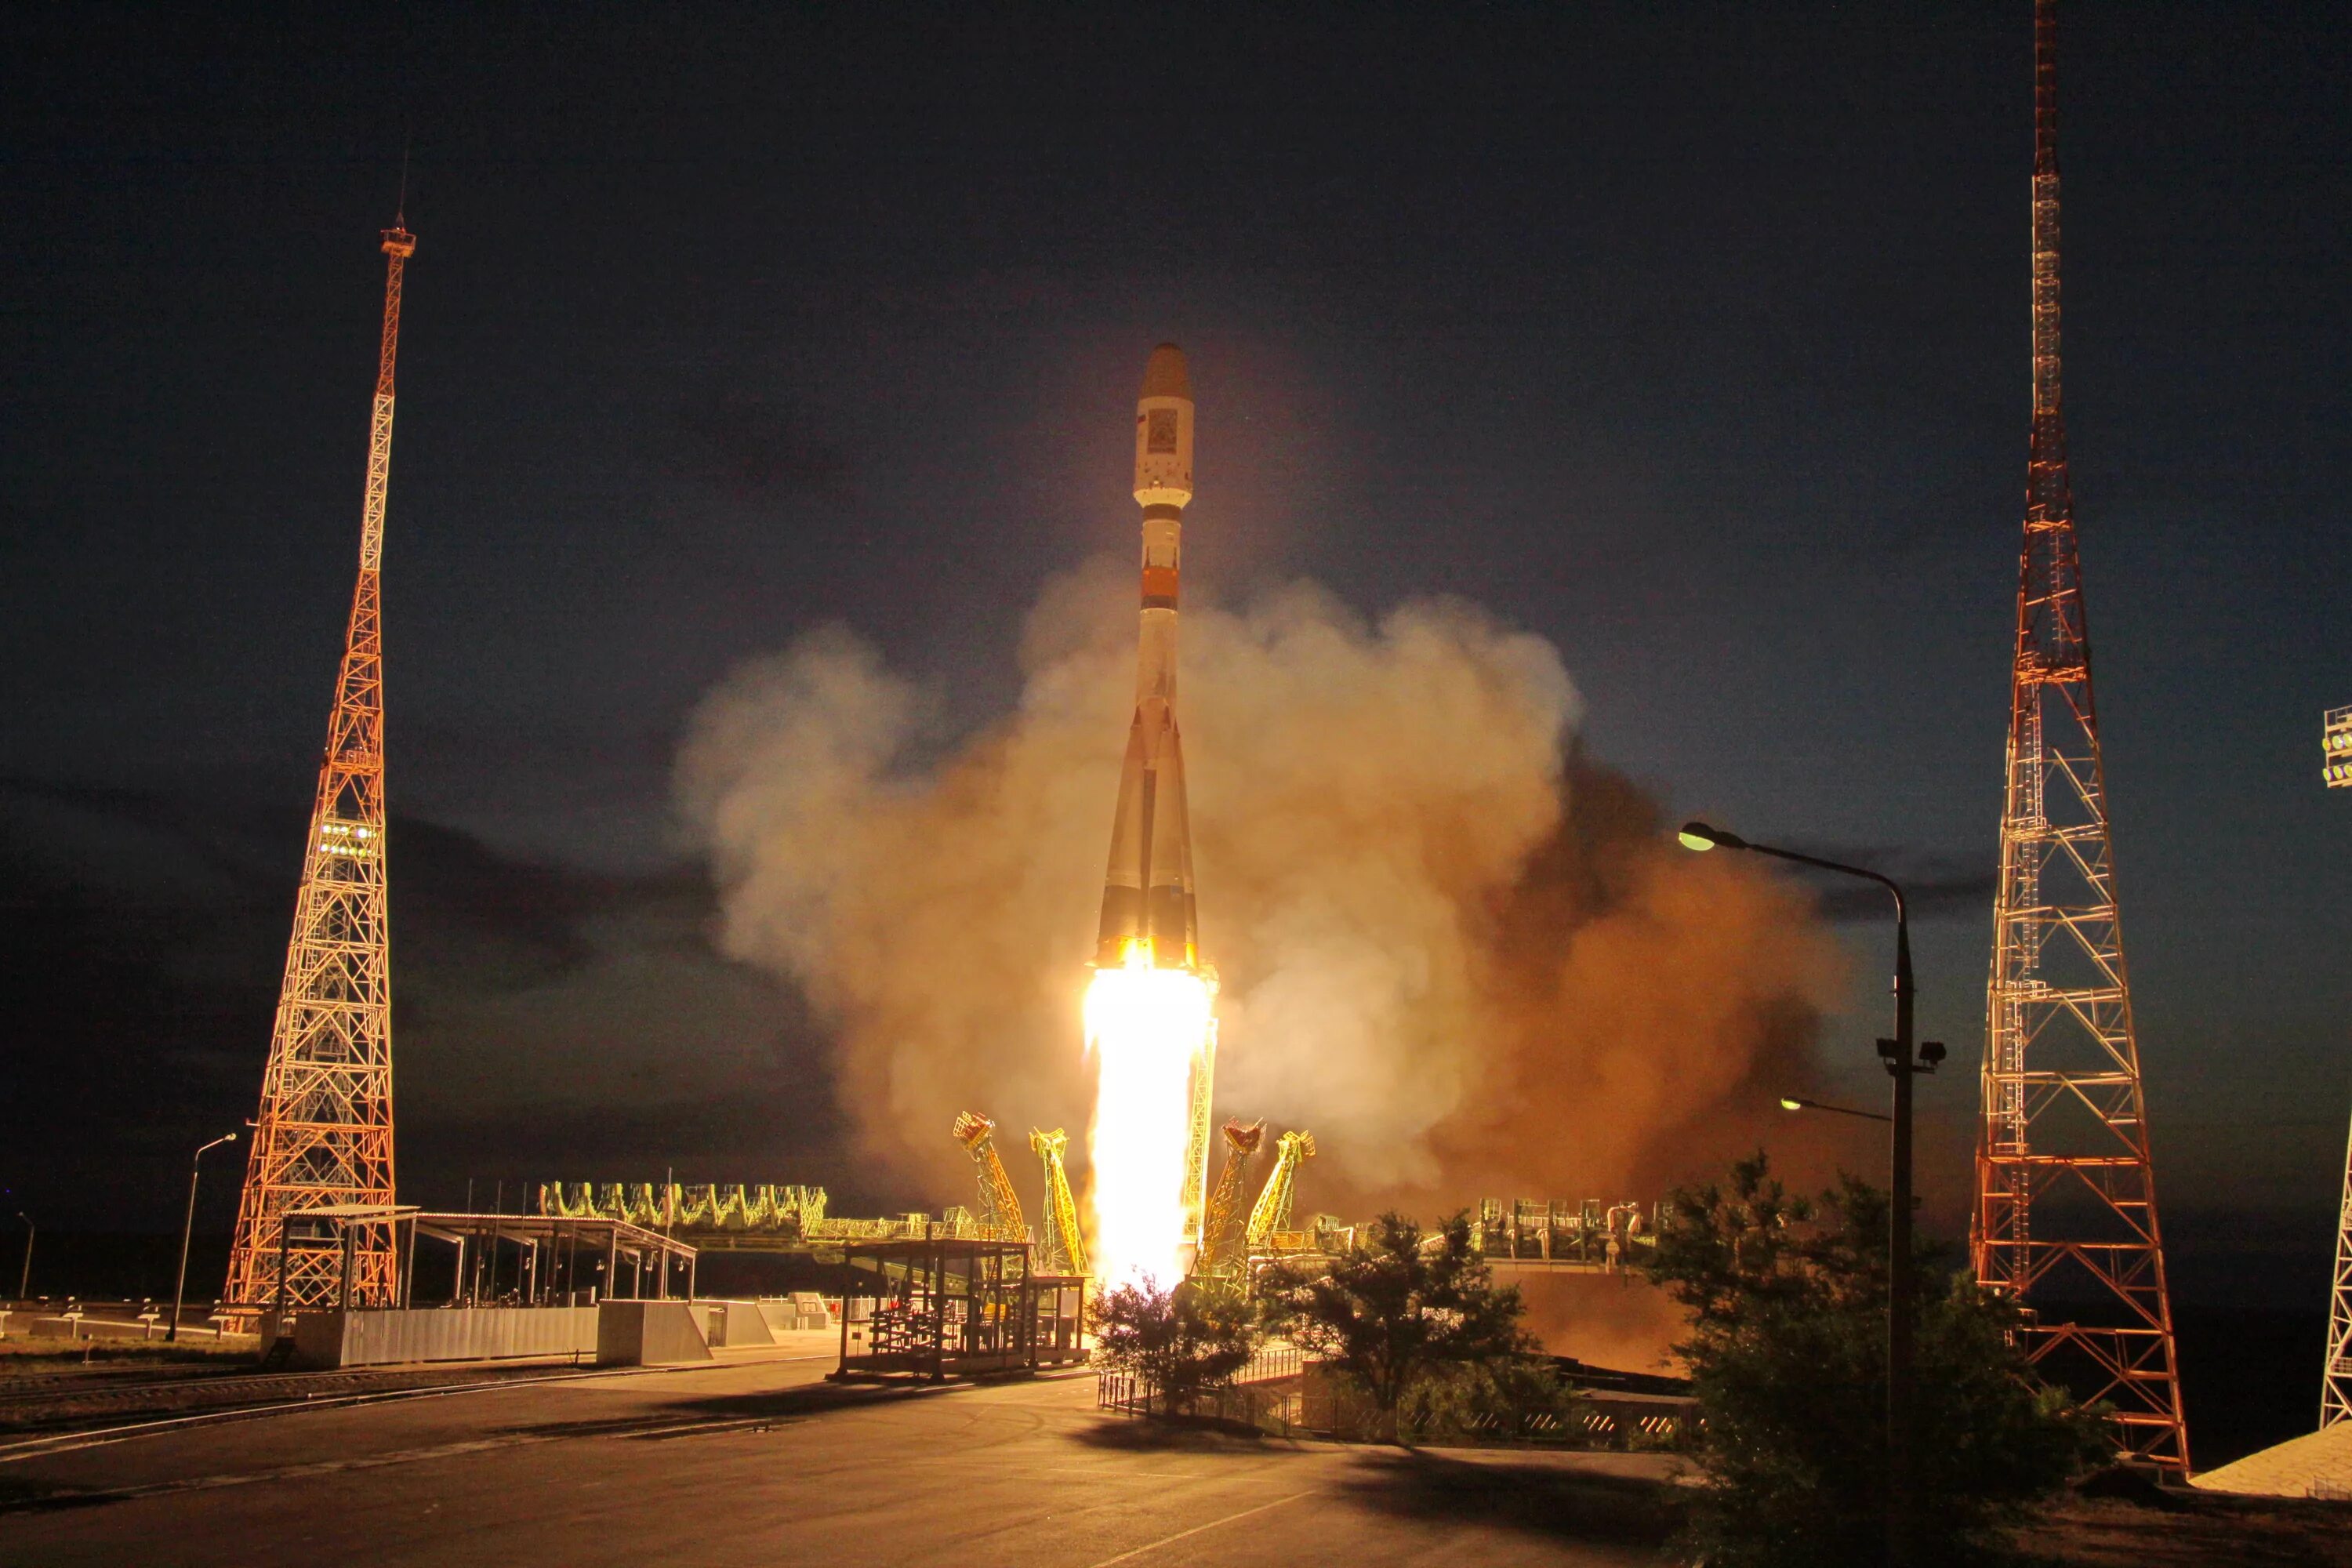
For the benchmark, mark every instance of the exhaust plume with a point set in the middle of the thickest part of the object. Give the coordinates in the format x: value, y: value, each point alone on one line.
x: 1454, y: 948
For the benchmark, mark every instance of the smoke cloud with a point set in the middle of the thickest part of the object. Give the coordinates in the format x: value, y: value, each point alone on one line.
x: 1452, y: 947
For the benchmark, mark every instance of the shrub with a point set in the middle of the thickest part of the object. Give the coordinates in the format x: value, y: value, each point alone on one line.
x: 1787, y: 1354
x: 1398, y: 1307
x: 1506, y: 1398
x: 1180, y: 1341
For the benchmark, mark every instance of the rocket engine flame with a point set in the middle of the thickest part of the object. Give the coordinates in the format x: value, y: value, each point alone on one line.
x: 1144, y: 1026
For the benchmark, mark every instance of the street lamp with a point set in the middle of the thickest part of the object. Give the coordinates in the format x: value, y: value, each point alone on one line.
x: 1902, y: 1064
x: 195, y: 1168
x: 1792, y: 1102
x: 24, y: 1280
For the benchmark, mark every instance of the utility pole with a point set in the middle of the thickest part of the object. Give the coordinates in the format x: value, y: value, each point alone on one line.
x: 25, y: 1280
x: 324, y: 1132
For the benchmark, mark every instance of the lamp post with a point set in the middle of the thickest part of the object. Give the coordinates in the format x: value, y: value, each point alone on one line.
x: 1902, y: 1287
x: 1792, y: 1102
x: 25, y: 1280
x: 187, y: 1230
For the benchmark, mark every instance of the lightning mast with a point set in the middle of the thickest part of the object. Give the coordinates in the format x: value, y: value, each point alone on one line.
x: 2067, y: 1220
x: 324, y: 1132
x: 2336, y: 1374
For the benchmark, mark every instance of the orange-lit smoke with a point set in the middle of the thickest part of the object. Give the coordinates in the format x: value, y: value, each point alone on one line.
x: 1462, y: 954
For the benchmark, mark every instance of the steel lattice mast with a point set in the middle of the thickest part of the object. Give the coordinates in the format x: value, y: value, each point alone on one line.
x: 2336, y: 1373
x: 2066, y: 1217
x: 324, y: 1132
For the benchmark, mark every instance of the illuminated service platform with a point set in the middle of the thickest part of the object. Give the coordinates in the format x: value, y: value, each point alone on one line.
x: 742, y: 1219
x: 950, y: 1307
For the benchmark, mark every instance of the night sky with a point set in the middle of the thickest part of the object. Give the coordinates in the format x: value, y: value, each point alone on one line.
x: 1692, y: 338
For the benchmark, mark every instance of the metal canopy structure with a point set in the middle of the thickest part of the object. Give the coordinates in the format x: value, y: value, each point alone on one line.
x: 950, y: 1307
x: 502, y: 1259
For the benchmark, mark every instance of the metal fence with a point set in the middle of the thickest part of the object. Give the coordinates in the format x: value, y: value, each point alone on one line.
x: 1280, y: 1393
x: 1132, y: 1394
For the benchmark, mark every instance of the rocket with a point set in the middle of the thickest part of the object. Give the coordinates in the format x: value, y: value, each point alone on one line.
x: 1148, y: 915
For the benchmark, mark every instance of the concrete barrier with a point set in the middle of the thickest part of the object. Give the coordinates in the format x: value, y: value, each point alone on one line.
x: 735, y: 1324
x: 649, y: 1333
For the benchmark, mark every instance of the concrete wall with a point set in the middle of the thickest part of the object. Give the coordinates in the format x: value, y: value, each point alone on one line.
x: 649, y: 1333
x: 379, y: 1337
x: 735, y: 1323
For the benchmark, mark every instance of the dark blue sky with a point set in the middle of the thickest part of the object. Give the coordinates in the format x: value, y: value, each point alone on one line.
x: 1693, y: 337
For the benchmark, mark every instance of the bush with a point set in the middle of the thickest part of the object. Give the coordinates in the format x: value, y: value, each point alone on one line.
x: 1509, y: 1398
x: 1180, y: 1342
x: 1788, y: 1359
x: 1398, y: 1308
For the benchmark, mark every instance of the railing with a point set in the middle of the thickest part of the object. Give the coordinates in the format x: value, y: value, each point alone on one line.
x: 1278, y: 1392
x: 1270, y: 1362
x: 1125, y: 1393
x: 1132, y: 1394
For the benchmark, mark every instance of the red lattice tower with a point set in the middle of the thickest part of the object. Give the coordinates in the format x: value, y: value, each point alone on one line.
x: 324, y: 1133
x: 2066, y: 1219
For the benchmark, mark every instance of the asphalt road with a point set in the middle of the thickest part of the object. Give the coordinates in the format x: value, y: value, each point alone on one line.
x: 762, y: 1463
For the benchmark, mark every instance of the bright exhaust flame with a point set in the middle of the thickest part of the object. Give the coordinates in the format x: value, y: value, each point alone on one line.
x: 1145, y: 1027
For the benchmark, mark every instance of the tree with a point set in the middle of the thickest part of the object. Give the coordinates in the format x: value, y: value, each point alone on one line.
x: 1178, y: 1342
x: 1398, y: 1307
x: 1787, y: 1354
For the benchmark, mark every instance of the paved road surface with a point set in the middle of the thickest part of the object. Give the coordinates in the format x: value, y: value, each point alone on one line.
x: 762, y: 1463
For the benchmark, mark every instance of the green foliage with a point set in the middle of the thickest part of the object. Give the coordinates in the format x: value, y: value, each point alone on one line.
x: 1180, y: 1341
x: 1506, y: 1398
x: 1787, y: 1352
x: 1398, y: 1306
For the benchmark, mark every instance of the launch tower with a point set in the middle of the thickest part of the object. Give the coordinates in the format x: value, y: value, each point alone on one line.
x: 324, y: 1132
x: 2065, y: 1221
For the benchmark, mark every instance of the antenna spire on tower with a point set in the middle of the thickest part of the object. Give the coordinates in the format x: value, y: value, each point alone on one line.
x: 2066, y: 1222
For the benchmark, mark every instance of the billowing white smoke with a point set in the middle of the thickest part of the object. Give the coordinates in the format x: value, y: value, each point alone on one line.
x: 1369, y: 801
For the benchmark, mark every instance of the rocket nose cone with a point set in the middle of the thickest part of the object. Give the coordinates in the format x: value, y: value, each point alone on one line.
x: 1165, y: 376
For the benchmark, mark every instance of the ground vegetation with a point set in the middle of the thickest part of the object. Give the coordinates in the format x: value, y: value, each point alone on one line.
x: 1787, y: 1356
x: 1179, y: 1342
x: 1415, y: 1321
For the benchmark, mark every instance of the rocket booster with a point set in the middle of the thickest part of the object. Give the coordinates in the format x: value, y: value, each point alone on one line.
x: 1148, y: 914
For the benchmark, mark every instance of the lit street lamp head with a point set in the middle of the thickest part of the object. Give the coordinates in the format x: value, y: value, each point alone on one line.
x: 1699, y: 836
